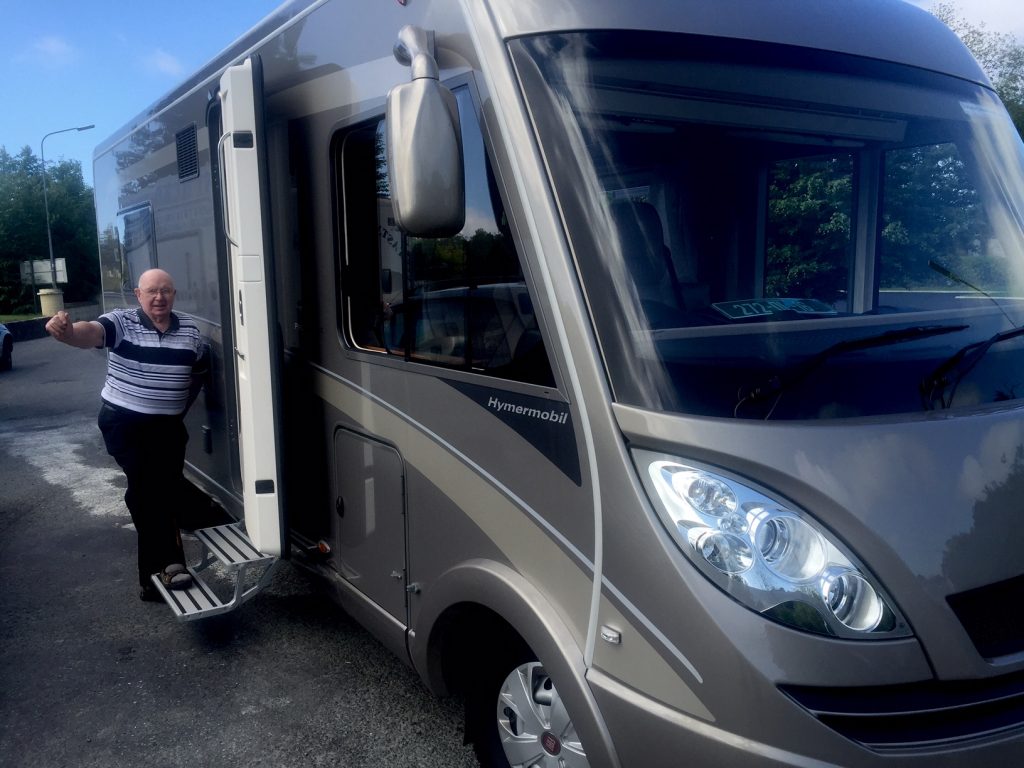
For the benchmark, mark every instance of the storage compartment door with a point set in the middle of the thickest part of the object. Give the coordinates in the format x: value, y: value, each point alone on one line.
x: 369, y: 536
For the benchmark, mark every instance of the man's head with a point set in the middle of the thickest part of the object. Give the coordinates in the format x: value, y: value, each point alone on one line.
x: 156, y: 296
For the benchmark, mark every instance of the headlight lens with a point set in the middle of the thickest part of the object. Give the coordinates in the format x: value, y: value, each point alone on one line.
x: 769, y: 556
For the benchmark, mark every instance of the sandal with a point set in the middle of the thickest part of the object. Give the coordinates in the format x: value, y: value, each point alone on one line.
x: 176, y: 576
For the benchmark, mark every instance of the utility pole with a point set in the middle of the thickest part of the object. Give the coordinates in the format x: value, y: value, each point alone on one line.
x: 55, y: 300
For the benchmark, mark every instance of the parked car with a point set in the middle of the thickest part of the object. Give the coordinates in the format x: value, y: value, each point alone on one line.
x: 6, y: 348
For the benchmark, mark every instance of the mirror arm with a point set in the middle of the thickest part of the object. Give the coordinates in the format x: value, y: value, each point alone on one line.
x: 412, y: 42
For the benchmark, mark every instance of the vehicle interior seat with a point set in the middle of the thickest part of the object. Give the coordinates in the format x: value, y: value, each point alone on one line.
x: 649, y: 261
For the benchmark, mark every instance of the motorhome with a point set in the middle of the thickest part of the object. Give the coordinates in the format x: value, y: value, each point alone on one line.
x: 647, y: 373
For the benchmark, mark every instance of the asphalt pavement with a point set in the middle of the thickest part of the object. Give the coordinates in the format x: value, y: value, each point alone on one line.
x: 92, y: 676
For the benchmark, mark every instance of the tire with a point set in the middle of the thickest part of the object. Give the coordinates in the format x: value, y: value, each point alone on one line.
x: 515, y: 716
x: 7, y: 354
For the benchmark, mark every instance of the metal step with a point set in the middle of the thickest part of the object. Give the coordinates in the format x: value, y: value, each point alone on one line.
x: 229, y: 545
x: 196, y: 602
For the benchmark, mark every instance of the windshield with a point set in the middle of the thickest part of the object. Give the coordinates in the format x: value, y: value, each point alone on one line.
x: 766, y: 232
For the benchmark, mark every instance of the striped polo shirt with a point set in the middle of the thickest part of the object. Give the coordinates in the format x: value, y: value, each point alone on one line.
x: 149, y: 371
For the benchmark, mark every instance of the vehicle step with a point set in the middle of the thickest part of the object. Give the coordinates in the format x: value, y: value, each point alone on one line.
x: 231, y: 546
x: 198, y: 601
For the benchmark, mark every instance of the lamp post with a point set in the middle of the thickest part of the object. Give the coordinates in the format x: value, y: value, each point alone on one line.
x: 55, y: 295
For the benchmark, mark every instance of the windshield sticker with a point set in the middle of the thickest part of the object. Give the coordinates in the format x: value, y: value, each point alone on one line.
x: 738, y: 310
x: 972, y: 109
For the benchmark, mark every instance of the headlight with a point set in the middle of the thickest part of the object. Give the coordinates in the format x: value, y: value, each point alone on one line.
x: 769, y: 556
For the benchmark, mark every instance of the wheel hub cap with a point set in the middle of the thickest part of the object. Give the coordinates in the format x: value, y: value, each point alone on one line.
x: 534, y: 726
x: 550, y: 743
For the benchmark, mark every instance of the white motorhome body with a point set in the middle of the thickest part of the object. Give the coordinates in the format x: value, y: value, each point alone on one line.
x: 648, y: 373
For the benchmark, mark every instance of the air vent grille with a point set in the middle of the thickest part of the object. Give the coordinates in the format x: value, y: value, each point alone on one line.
x: 188, y: 153
x: 919, y: 715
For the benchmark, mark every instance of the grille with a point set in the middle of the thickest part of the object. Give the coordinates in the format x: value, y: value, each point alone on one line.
x: 989, y: 616
x: 918, y: 715
x: 188, y: 153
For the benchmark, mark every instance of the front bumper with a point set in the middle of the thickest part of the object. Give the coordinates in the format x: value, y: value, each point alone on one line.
x: 941, y: 725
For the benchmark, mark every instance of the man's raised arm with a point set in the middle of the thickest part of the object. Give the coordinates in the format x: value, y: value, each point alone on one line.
x: 85, y: 334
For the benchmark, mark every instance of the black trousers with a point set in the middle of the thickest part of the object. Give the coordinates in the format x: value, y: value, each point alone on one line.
x: 151, y: 451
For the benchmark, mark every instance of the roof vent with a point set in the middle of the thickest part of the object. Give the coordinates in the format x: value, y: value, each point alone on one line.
x: 188, y: 153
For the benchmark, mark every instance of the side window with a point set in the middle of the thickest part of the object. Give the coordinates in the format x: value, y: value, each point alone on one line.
x: 810, y: 207
x: 137, y: 244
x: 934, y: 234
x: 459, y: 302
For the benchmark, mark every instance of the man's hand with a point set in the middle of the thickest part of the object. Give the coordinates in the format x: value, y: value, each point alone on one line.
x: 84, y: 334
x: 61, y: 328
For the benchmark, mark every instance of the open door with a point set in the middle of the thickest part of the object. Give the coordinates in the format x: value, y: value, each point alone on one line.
x: 254, y: 314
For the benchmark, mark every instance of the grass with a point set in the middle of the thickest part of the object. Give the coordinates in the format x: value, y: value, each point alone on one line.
x: 16, y: 318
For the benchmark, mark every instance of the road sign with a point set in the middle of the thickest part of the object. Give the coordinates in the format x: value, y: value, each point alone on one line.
x: 37, y: 271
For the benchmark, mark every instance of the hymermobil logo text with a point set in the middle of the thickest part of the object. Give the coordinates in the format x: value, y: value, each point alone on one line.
x: 542, y: 414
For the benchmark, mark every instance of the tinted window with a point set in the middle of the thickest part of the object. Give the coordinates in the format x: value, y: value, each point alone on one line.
x: 137, y: 246
x: 459, y: 302
x: 762, y: 232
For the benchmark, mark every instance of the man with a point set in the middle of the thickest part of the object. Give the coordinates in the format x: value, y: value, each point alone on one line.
x: 155, y: 368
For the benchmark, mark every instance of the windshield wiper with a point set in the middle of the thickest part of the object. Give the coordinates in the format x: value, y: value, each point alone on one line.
x: 949, y: 374
x: 779, y: 383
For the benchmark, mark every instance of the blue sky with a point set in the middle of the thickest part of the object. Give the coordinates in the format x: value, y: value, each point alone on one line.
x: 66, y: 63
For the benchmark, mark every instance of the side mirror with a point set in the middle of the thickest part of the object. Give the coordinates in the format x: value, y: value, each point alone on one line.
x: 425, y: 171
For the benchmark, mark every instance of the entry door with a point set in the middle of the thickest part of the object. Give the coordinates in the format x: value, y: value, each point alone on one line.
x: 257, y: 344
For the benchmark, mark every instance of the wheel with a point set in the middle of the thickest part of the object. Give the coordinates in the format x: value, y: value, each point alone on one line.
x: 520, y: 720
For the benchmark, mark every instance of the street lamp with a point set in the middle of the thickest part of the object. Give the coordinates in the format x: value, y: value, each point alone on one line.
x: 46, y: 206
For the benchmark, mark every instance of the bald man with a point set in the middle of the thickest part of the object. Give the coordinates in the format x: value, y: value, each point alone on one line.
x: 155, y: 368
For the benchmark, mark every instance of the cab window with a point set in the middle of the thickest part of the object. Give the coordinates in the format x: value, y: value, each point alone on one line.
x: 459, y: 302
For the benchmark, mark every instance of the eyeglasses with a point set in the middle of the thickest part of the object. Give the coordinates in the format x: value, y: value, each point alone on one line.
x: 154, y: 292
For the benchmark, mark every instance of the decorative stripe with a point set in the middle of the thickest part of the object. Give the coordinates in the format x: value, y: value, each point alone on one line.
x: 581, y: 560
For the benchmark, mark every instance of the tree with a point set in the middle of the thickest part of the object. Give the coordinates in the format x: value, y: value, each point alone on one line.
x: 23, y: 227
x: 999, y: 54
x: 808, y: 229
x: 932, y: 215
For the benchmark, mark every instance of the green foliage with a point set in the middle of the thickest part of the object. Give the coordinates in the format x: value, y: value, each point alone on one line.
x: 809, y: 205
x: 932, y: 215
x: 436, y: 263
x: 999, y: 53
x: 23, y: 227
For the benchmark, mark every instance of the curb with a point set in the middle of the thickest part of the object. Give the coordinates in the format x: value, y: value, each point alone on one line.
x: 27, y: 330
